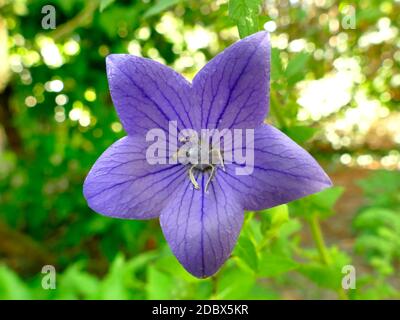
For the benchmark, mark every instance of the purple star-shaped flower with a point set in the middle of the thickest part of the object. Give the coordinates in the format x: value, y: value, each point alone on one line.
x: 201, y: 223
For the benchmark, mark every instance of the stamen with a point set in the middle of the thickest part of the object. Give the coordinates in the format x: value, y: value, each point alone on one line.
x: 192, y: 178
x: 192, y: 155
x: 210, y: 177
x: 221, y: 160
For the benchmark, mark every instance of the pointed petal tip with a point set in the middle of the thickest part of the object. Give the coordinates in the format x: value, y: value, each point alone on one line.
x: 260, y: 36
x: 114, y: 58
x: 324, y: 178
x: 202, y: 229
x: 110, y: 62
x: 86, y: 190
x: 202, y: 276
x: 328, y: 181
x: 322, y: 181
x: 110, y: 58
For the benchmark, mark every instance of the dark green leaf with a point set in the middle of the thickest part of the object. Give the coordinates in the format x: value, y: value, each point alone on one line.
x: 247, y: 25
x: 245, y: 13
x: 235, y: 283
x: 104, y: 4
x: 160, y: 6
x: 242, y: 8
x: 11, y: 287
x: 276, y: 65
x: 326, y: 199
x: 296, y: 64
x: 159, y: 284
x: 272, y: 264
x: 246, y: 251
x: 301, y: 134
x: 272, y: 220
x: 327, y: 276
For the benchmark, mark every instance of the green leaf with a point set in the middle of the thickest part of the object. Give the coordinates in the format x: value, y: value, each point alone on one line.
x: 167, y: 263
x: 245, y: 14
x: 324, y: 276
x: 276, y: 62
x: 381, y: 188
x: 379, y: 238
x: 247, y: 26
x: 246, y: 251
x: 326, y: 199
x: 301, y: 134
x: 235, y: 283
x: 320, y: 203
x: 259, y: 292
x: 274, y: 264
x: 114, y: 285
x: 272, y: 219
x: 376, y: 217
x: 75, y: 283
x: 296, y: 67
x: 122, y: 14
x: 66, y: 6
x: 159, y: 284
x: 241, y: 8
x: 104, y: 4
x: 159, y: 7
x: 327, y: 276
x: 368, y: 16
x: 141, y: 261
x: 12, y: 287
x: 252, y: 228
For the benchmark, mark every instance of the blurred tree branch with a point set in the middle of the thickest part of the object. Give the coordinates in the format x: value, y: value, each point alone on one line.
x: 11, y: 131
x: 22, y: 252
x: 12, y: 134
x: 4, y: 67
x: 83, y: 18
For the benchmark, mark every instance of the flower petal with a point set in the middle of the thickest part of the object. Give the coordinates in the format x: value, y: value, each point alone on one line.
x: 148, y: 94
x: 233, y: 88
x: 202, y: 227
x: 123, y: 184
x: 283, y: 172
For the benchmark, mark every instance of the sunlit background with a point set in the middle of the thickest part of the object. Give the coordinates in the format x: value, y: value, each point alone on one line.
x: 335, y: 90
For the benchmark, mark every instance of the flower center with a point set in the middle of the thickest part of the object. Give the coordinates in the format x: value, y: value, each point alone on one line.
x: 200, y: 156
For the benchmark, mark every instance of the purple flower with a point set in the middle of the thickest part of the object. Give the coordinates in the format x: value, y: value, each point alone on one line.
x: 201, y: 222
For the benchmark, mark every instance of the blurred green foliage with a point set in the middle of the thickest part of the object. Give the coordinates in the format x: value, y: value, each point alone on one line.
x: 378, y: 228
x: 57, y: 118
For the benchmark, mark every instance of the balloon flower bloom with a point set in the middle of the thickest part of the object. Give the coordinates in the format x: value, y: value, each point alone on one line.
x: 166, y: 168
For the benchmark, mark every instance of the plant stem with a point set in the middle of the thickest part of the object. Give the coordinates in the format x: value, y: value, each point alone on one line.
x: 322, y: 249
x: 342, y: 294
x: 214, y: 289
x: 319, y: 240
x: 275, y: 110
x: 83, y: 18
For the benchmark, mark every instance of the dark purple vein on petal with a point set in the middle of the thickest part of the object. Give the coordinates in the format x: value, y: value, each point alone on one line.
x: 164, y: 96
x: 145, y: 94
x: 202, y: 226
x: 218, y: 218
x: 233, y: 88
x: 132, y: 179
